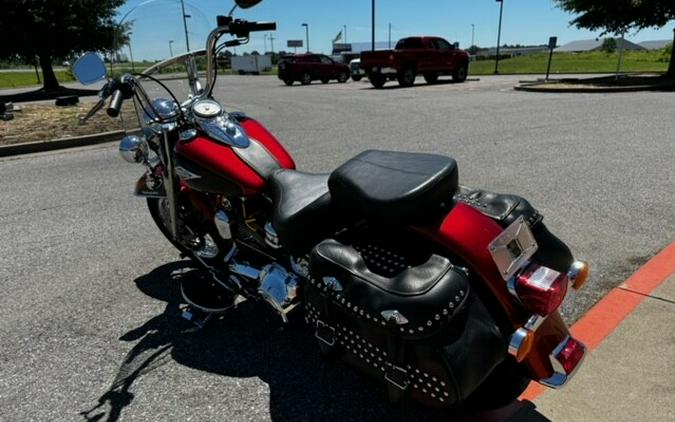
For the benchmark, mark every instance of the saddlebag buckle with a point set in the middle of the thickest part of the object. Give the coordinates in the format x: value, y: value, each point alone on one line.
x: 325, y: 333
x: 397, y: 377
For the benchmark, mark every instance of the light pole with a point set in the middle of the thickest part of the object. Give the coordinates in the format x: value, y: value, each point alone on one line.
x: 473, y: 33
x: 265, y: 41
x: 187, y: 40
x: 170, y: 49
x: 345, y: 27
x: 499, y: 34
x: 306, y: 34
x: 390, y: 36
x: 271, y: 37
x: 131, y: 55
x: 373, y: 28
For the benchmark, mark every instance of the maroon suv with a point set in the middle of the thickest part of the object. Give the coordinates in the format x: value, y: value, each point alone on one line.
x: 306, y: 68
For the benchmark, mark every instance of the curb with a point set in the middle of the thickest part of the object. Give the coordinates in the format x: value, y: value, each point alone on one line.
x: 603, y: 318
x: 62, y: 143
x: 635, y: 88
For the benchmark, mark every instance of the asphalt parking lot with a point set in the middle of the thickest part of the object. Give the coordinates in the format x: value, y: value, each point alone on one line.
x: 91, y: 327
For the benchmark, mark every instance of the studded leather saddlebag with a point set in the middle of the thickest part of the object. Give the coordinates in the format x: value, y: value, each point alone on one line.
x: 417, y: 329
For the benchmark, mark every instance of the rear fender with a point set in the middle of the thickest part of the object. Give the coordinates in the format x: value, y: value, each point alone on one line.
x: 466, y: 233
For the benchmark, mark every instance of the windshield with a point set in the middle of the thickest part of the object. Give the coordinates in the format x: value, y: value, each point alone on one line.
x: 153, y: 32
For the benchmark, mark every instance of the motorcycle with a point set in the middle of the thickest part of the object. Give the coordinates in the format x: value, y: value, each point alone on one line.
x: 442, y: 294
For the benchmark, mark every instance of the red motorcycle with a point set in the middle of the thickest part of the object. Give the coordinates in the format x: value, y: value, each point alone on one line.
x: 441, y: 293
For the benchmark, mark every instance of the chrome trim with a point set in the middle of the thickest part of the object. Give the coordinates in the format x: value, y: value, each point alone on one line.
x: 559, y: 378
x: 271, y: 237
x: 321, y: 324
x: 224, y: 130
x: 279, y: 288
x: 574, y: 270
x: 517, y: 338
x: 516, y: 341
x: 222, y: 222
x: 503, y: 256
x: 394, y: 315
x: 333, y: 284
x: 185, y: 174
x: 186, y: 135
x: 395, y: 368
x: 511, y: 286
x: 245, y: 271
x: 300, y: 266
x: 134, y: 149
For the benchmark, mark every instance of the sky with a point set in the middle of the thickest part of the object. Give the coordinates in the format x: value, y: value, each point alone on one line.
x: 156, y: 22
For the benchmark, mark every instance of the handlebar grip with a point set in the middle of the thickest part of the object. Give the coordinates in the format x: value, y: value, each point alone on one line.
x: 264, y: 26
x: 115, y: 104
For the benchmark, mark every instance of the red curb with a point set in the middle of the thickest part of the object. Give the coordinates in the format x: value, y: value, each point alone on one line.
x: 608, y: 314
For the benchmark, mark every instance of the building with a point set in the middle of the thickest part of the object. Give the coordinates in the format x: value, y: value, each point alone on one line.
x: 581, y: 46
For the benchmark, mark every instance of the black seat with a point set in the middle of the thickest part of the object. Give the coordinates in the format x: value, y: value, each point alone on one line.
x: 394, y: 187
x: 302, y: 209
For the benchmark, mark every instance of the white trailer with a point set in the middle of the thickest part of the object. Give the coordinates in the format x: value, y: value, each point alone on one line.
x: 253, y: 65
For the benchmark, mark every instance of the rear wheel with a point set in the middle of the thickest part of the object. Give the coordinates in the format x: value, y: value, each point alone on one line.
x: 306, y: 78
x: 504, y: 385
x: 460, y: 74
x: 377, y: 79
x: 342, y: 77
x: 407, y: 77
x: 431, y: 78
x: 324, y: 80
x: 356, y: 78
x: 288, y: 82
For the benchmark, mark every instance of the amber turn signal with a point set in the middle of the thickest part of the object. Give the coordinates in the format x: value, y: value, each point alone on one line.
x: 521, y: 344
x: 578, y: 274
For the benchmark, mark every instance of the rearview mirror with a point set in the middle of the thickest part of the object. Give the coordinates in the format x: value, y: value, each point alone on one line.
x: 245, y: 4
x: 89, y: 69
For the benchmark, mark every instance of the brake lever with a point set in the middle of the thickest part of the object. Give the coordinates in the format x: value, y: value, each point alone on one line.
x: 97, y: 107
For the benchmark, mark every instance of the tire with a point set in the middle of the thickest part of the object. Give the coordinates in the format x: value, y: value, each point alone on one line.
x: 407, y: 77
x: 356, y: 78
x: 378, y: 80
x: 324, y: 80
x: 460, y: 74
x: 342, y: 77
x: 504, y: 385
x: 288, y: 82
x: 431, y: 78
x: 223, y: 247
x: 306, y: 78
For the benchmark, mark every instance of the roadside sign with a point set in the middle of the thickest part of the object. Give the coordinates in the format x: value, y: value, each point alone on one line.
x: 552, y: 43
x: 294, y: 43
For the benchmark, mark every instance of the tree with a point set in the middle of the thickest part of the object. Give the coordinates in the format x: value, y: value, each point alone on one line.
x: 56, y: 29
x: 608, y: 45
x: 620, y: 16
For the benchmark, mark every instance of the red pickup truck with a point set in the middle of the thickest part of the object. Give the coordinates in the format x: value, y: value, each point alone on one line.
x: 427, y: 56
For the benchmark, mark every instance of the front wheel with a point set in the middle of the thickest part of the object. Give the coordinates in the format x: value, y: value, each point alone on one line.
x: 306, y: 78
x: 460, y: 74
x: 288, y: 82
x: 407, y: 77
x: 356, y: 78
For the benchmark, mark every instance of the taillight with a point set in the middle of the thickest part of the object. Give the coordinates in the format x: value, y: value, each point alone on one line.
x: 541, y: 289
x: 570, y: 354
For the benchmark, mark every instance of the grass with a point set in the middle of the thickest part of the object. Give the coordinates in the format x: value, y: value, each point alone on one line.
x: 22, y: 79
x: 591, y: 62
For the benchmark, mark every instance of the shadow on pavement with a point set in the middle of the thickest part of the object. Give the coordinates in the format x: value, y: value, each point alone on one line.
x: 250, y: 341
x: 41, y: 94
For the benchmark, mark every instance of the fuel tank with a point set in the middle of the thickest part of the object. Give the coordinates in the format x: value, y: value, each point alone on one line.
x: 208, y: 165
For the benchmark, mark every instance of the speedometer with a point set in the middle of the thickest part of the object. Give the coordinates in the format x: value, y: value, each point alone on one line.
x: 207, y: 109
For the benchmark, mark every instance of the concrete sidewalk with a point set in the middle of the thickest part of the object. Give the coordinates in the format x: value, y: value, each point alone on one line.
x: 630, y: 376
